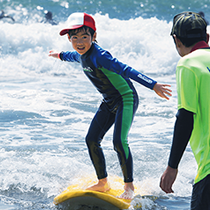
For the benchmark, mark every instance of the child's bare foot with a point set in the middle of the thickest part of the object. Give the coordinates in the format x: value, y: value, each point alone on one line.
x: 129, y: 191
x: 128, y: 195
x: 101, y: 186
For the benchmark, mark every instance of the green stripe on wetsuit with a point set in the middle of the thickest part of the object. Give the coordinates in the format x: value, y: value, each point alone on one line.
x: 127, y: 97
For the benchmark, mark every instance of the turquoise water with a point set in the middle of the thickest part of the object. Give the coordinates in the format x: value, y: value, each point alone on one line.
x: 120, y: 9
x: 46, y: 105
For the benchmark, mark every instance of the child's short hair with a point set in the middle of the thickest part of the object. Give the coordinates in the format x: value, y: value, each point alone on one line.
x: 85, y: 28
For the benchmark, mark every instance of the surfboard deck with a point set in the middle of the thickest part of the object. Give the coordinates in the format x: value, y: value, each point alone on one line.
x: 76, y: 197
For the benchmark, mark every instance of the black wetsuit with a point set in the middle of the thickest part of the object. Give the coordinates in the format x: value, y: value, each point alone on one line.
x: 120, y: 102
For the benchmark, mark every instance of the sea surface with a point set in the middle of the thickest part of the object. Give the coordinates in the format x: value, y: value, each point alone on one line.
x: 46, y: 105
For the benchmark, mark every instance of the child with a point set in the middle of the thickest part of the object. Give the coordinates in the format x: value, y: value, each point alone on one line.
x: 120, y: 100
x: 193, y: 116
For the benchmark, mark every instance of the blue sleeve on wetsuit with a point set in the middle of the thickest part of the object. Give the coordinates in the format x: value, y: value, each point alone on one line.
x: 141, y: 78
x: 182, y: 132
x: 108, y: 62
x: 70, y: 56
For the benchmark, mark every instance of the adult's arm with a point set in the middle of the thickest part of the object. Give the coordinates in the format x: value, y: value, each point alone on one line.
x: 182, y: 132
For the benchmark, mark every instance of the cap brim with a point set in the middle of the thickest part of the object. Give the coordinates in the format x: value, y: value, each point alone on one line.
x: 65, y: 31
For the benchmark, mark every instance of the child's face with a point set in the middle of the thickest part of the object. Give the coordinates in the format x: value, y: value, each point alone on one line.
x: 81, y: 41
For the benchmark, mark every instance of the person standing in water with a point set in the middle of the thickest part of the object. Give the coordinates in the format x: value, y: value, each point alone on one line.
x: 193, y: 116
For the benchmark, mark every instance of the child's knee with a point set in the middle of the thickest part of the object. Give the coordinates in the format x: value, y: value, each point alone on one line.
x: 121, y: 147
x: 92, y: 140
x: 117, y: 146
x: 88, y: 140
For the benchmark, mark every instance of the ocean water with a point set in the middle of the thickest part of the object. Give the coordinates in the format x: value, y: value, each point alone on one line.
x: 47, y: 105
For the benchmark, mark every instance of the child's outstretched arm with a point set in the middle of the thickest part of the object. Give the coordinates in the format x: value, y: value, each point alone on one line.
x: 162, y: 91
x: 54, y: 54
x: 66, y: 56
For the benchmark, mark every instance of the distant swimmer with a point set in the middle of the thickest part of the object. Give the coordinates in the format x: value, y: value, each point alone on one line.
x: 49, y: 19
x: 3, y: 15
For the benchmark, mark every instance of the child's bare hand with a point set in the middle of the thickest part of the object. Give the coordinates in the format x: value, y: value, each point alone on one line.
x: 53, y: 54
x: 162, y: 91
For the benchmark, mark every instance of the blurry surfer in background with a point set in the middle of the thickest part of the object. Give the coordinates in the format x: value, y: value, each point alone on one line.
x: 3, y: 15
x: 49, y: 19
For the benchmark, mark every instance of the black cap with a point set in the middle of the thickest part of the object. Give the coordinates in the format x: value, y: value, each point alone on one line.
x: 185, y: 22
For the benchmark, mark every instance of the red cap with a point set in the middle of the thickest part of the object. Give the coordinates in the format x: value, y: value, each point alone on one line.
x: 77, y: 20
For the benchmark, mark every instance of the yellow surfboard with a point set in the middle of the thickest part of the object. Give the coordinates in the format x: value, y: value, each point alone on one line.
x: 76, y: 197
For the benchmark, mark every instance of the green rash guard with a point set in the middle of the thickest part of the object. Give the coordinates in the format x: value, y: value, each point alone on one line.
x: 193, y: 89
